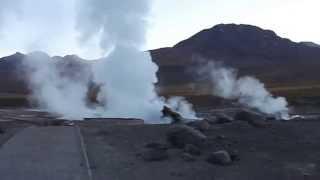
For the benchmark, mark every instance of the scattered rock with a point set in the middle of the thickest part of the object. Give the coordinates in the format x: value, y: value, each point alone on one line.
x: 234, y: 154
x: 220, y: 158
x: 212, y: 120
x: 201, y: 125
x: 252, y: 118
x: 224, y: 118
x: 188, y: 157
x: 248, y: 116
x: 181, y: 135
x: 155, y: 155
x: 174, y: 116
x: 191, y: 149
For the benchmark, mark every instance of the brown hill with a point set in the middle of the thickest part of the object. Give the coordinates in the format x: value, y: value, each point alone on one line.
x: 277, y: 61
x: 252, y: 50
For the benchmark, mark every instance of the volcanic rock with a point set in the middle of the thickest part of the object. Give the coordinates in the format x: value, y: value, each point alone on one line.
x: 248, y: 116
x: 212, y: 120
x: 220, y: 158
x: 174, y: 116
x: 188, y: 157
x: 224, y: 118
x: 181, y: 135
x: 234, y: 154
x: 253, y: 119
x: 202, y: 125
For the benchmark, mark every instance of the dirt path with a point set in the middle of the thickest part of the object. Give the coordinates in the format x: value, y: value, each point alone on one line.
x: 43, y: 153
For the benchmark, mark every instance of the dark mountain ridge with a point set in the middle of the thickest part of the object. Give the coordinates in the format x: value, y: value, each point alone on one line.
x: 14, y: 70
x: 246, y: 40
x: 250, y: 49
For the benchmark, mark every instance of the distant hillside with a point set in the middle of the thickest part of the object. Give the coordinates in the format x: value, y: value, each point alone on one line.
x: 252, y: 50
x: 14, y: 78
x: 277, y: 61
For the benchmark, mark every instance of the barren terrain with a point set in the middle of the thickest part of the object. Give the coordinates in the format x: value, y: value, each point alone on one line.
x: 284, y: 150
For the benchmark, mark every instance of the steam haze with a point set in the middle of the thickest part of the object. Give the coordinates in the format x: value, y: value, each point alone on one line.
x: 247, y: 90
x: 125, y: 74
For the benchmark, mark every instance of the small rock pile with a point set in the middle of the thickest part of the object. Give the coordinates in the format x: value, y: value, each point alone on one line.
x: 190, y: 139
x: 253, y: 119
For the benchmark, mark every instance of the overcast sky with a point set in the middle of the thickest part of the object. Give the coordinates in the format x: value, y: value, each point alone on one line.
x: 175, y: 20
x: 49, y: 25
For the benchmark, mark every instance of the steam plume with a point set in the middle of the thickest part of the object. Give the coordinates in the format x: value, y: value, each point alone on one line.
x: 112, y: 31
x: 247, y: 90
x: 127, y: 75
x: 59, y: 94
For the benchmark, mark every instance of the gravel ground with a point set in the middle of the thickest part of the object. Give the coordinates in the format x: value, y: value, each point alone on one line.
x: 9, y: 129
x: 282, y: 151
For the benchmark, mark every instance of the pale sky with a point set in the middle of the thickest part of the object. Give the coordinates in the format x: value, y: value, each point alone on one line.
x: 175, y: 20
x: 49, y: 25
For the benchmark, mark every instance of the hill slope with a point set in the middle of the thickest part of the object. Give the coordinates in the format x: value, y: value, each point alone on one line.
x: 250, y: 49
x: 277, y: 61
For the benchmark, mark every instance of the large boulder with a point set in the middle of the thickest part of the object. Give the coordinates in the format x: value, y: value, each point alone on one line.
x: 181, y: 135
x: 201, y: 125
x: 174, y: 116
x: 188, y: 157
x: 223, y: 118
x: 220, y: 118
x: 234, y: 154
x: 220, y: 158
x: 254, y: 119
x: 245, y: 115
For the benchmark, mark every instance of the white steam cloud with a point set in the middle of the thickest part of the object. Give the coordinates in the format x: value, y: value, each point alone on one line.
x: 113, y: 30
x: 57, y: 93
x: 247, y: 90
x: 127, y: 75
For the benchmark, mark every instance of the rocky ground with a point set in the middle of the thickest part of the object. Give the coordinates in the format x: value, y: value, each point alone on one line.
x: 235, y: 150
x: 221, y: 148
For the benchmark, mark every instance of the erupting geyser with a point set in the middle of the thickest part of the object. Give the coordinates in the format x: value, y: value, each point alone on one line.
x: 247, y: 90
x: 125, y: 74
x: 114, y: 30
